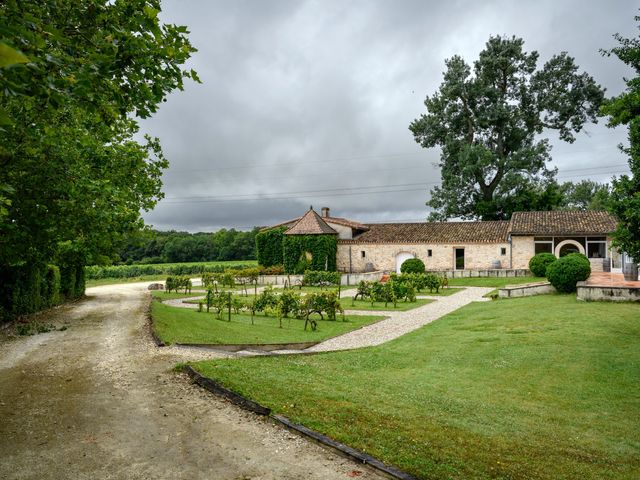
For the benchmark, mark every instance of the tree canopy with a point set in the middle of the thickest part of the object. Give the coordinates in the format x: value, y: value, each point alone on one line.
x: 72, y: 175
x: 625, y: 110
x: 487, y: 121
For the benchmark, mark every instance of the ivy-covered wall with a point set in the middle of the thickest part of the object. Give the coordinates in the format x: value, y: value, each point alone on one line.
x: 323, y: 249
x: 269, y: 247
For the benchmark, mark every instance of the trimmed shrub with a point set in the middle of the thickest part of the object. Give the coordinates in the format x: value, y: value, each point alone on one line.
x: 567, y: 271
x: 412, y: 265
x: 539, y: 263
x: 27, y: 289
x: 321, y: 278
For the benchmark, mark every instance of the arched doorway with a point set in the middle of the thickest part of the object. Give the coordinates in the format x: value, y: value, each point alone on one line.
x: 568, y: 246
x: 400, y: 259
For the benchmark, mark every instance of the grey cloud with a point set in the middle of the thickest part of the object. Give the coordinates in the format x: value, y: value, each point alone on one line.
x: 317, y: 97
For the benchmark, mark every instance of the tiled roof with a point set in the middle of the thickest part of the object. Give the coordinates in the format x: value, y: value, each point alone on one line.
x: 434, y: 232
x: 310, y: 224
x: 338, y: 220
x: 562, y: 223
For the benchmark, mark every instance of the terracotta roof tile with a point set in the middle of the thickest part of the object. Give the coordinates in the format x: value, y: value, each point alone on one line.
x: 310, y: 224
x: 434, y: 232
x: 569, y: 222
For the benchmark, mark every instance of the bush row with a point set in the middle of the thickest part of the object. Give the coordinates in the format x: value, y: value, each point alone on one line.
x: 95, y: 272
x: 280, y: 305
x: 28, y: 288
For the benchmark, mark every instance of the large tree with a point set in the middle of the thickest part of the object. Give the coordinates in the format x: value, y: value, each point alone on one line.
x: 625, y: 110
x: 487, y: 121
x: 73, y: 176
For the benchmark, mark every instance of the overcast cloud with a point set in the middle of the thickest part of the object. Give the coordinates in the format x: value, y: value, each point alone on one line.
x: 309, y: 102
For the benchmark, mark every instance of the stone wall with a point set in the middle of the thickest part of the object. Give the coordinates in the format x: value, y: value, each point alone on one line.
x: 523, y: 249
x: 383, y: 256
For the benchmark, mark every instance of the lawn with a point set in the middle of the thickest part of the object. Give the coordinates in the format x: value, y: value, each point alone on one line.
x: 539, y: 387
x: 493, y: 282
x: 172, y: 295
x: 443, y: 292
x: 180, y: 325
x: 348, y: 304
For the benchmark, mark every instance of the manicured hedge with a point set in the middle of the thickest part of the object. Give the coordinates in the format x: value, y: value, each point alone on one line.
x: 29, y: 288
x: 539, y: 263
x: 567, y: 271
x: 412, y: 265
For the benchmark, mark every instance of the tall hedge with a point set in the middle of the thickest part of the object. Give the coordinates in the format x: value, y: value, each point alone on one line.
x: 323, y: 250
x: 269, y: 246
x: 28, y: 288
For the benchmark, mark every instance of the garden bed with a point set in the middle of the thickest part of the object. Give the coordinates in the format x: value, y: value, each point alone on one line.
x: 181, y: 325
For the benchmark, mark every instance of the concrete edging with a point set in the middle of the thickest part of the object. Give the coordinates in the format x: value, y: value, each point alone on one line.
x: 261, y: 347
x: 344, y: 450
x: 607, y: 293
x: 526, y: 290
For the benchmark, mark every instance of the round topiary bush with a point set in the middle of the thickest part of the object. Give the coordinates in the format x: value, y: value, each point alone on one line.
x: 412, y: 265
x: 567, y: 271
x: 539, y: 263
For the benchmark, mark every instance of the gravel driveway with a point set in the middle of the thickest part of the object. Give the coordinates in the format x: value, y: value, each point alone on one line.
x: 99, y: 401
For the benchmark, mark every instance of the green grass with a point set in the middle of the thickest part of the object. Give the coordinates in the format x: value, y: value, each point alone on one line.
x: 170, y: 296
x: 538, y: 388
x: 348, y: 304
x: 443, y: 292
x: 180, y: 325
x: 493, y: 282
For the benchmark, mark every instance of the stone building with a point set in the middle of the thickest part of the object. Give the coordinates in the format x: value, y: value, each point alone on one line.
x: 465, y: 245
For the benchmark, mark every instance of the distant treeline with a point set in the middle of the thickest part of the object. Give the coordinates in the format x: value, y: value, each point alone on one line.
x: 154, y: 246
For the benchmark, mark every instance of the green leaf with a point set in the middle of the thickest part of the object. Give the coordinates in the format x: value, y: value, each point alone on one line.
x: 10, y: 56
x: 4, y: 117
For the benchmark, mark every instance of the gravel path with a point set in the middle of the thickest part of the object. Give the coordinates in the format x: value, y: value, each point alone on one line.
x: 400, y: 323
x: 100, y: 401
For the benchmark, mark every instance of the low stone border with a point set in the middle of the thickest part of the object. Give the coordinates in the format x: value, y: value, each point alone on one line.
x: 607, y: 293
x: 243, y: 402
x: 261, y: 347
x: 526, y: 290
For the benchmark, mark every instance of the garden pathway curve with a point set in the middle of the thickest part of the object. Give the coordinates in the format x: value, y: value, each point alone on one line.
x: 399, y: 323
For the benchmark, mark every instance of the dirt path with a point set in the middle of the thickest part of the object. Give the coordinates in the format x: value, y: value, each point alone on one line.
x: 99, y: 401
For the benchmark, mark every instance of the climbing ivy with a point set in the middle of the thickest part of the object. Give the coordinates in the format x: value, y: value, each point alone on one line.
x: 323, y: 249
x: 269, y: 246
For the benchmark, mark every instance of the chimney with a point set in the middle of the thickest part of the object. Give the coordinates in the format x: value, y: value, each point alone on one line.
x: 325, y: 212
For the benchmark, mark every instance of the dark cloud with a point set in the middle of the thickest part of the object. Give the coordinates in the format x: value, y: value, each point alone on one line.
x: 308, y: 103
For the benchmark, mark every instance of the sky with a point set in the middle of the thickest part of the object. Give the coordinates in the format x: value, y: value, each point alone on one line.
x: 308, y: 103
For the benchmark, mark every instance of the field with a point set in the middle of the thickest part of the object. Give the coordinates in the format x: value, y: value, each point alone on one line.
x: 541, y: 387
x: 181, y: 325
x: 98, y: 275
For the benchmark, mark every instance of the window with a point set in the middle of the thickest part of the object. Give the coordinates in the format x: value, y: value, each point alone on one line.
x: 503, y: 251
x: 363, y: 254
x: 429, y: 253
x: 597, y: 249
x: 543, y: 244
